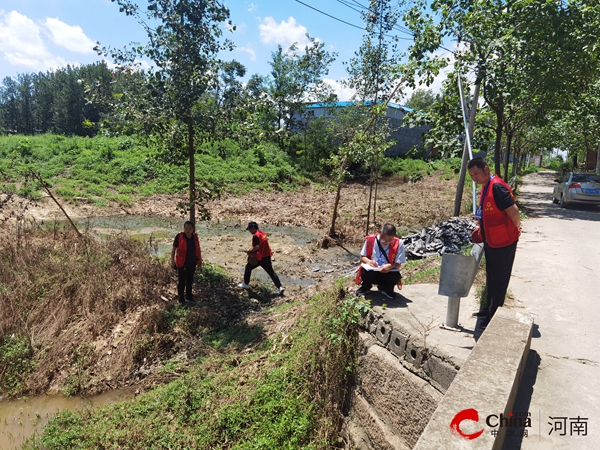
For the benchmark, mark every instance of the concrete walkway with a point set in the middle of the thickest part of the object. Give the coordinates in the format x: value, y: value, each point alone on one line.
x: 556, y: 278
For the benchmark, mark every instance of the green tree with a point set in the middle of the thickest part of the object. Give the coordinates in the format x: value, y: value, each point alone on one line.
x: 296, y: 77
x: 9, y: 104
x: 184, y: 43
x: 529, y: 56
x: 421, y: 99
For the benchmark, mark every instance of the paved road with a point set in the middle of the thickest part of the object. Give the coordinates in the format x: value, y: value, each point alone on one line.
x: 556, y: 278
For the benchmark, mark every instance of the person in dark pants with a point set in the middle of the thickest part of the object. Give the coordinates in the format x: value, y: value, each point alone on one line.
x: 499, y: 225
x: 259, y: 255
x: 185, y: 257
x: 381, y: 258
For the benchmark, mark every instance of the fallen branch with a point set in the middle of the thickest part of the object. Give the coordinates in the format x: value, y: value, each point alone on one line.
x: 46, y: 187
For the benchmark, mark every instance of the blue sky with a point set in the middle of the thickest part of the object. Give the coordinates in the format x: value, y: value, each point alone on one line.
x: 38, y: 35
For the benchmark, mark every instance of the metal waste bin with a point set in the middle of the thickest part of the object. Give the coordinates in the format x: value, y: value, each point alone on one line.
x: 456, y: 278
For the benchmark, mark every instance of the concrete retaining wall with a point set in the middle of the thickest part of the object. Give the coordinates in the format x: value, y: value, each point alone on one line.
x: 487, y: 383
x: 406, y: 395
x: 389, y: 406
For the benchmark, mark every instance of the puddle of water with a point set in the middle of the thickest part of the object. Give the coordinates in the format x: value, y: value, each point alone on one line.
x: 163, y: 230
x: 21, y: 418
x: 141, y: 227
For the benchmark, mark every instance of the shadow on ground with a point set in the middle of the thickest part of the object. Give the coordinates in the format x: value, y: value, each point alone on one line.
x: 514, y: 440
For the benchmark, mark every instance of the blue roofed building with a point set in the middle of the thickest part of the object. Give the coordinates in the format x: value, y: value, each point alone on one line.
x: 406, y: 138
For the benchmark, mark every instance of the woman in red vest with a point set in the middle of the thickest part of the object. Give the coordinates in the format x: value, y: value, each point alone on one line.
x: 499, y: 224
x: 185, y: 256
x: 259, y: 255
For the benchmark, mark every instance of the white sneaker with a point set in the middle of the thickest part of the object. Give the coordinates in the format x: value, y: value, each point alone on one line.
x: 281, y: 289
x: 244, y: 286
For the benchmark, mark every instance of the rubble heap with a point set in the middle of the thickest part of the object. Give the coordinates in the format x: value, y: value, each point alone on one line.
x: 445, y: 237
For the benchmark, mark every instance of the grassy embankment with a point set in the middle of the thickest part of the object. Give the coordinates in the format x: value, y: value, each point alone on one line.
x: 105, y: 170
x: 102, y: 169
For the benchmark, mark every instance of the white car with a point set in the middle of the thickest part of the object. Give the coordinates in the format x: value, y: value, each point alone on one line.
x: 577, y: 188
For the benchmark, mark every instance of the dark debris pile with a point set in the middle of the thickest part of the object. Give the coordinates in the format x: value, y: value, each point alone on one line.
x: 445, y: 237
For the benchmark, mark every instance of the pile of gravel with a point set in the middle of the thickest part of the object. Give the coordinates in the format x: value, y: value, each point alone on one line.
x: 446, y: 237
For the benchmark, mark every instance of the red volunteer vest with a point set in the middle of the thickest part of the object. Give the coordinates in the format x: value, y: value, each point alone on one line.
x: 499, y: 230
x: 182, y: 250
x: 263, y: 246
x: 392, y: 253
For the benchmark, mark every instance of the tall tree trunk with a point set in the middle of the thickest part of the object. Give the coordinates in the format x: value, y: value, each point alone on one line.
x: 335, y: 208
x: 507, y: 155
x: 598, y: 160
x: 370, y: 195
x: 498, y: 143
x: 192, y: 171
x: 336, y: 203
x: 376, y: 186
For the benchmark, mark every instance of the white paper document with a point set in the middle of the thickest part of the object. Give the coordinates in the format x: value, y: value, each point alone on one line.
x: 368, y: 267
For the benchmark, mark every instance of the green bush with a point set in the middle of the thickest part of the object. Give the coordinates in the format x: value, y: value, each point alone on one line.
x: 15, y: 362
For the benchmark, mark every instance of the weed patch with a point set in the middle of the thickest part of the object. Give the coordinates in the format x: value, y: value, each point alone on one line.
x: 287, y: 392
x: 425, y: 270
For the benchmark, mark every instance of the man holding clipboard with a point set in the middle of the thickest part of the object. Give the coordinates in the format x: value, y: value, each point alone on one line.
x: 381, y: 258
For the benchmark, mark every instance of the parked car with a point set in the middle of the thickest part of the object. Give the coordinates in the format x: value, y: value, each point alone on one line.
x: 577, y: 188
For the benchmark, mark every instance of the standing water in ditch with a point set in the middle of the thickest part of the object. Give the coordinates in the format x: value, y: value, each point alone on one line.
x: 296, y: 257
x: 21, y: 418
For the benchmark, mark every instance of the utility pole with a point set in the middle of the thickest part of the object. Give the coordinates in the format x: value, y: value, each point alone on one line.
x: 466, y: 150
x: 598, y: 160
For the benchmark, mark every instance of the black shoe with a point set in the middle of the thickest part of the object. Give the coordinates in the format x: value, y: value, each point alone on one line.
x: 483, y: 325
x: 480, y: 314
x: 187, y: 302
x: 363, y: 290
x: 389, y: 294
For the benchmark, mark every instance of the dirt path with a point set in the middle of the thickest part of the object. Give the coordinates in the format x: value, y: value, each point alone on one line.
x: 555, y: 278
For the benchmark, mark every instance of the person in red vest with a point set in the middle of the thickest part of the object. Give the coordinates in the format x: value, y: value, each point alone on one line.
x: 381, y: 258
x: 259, y: 255
x: 499, y: 227
x: 185, y: 257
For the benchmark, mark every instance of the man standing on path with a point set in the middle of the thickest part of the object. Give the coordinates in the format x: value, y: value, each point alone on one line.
x: 185, y: 256
x: 381, y: 258
x: 499, y: 224
x: 259, y: 255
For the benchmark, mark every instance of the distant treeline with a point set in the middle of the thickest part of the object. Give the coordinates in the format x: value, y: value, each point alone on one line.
x: 53, y: 101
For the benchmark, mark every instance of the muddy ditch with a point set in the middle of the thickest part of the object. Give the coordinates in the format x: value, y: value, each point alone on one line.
x: 295, y: 223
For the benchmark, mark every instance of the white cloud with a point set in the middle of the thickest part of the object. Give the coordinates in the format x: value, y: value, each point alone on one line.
x: 343, y: 92
x: 70, y: 37
x: 21, y: 44
x: 252, y: 7
x: 247, y: 50
x: 285, y: 33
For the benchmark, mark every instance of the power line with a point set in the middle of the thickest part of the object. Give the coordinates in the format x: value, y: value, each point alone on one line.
x: 329, y: 15
x: 347, y: 23
x: 396, y: 27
